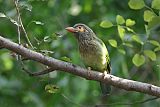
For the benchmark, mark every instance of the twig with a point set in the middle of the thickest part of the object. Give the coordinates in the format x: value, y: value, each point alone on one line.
x: 46, y: 71
x: 21, y: 24
x: 134, y: 103
x: 18, y: 27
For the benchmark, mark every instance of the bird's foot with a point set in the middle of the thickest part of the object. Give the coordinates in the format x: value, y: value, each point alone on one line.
x: 89, y: 68
x: 89, y: 73
x: 105, y: 73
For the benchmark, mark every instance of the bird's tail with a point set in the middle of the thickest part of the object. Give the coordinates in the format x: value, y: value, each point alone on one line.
x: 106, y: 88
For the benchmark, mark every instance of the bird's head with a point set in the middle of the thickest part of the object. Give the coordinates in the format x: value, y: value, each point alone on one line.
x: 81, y: 32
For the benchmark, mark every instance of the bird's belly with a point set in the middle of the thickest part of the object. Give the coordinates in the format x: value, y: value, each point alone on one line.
x: 94, y: 60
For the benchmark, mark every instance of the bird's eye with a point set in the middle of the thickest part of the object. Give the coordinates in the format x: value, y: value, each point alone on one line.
x: 79, y: 27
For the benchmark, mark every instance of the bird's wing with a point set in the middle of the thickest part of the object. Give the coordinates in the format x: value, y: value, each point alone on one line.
x: 108, y: 64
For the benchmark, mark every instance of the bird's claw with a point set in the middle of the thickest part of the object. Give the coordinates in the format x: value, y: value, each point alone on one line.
x: 89, y: 68
x: 104, y: 73
x: 88, y: 73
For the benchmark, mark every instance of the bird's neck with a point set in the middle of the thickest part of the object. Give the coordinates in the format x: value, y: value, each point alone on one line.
x: 85, y: 37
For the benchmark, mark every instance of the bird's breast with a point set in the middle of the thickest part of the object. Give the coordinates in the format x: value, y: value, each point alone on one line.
x: 93, y: 55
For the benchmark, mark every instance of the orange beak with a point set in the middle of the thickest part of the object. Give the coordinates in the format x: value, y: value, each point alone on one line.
x: 71, y: 29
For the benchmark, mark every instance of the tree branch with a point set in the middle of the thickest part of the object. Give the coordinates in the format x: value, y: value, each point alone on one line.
x: 46, y: 71
x: 125, y: 84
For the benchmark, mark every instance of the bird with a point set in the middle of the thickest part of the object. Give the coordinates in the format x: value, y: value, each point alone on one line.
x: 93, y: 52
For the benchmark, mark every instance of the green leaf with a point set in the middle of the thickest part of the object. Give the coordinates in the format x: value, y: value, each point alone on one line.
x: 130, y: 30
x: 47, y: 39
x: 113, y: 42
x: 150, y: 54
x: 157, y: 49
x: 38, y: 23
x: 50, y: 88
x: 2, y: 15
x: 138, y: 60
x: 153, y: 42
x: 156, y: 4
x: 130, y: 22
x: 122, y: 51
x: 137, y: 39
x: 148, y: 15
x: 121, y: 32
x: 136, y: 4
x: 106, y: 24
x: 147, y: 31
x: 120, y: 19
x: 154, y: 22
x: 64, y: 58
x: 128, y: 44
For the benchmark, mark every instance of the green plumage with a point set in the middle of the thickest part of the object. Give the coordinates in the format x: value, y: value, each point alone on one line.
x: 95, y: 55
x: 93, y: 52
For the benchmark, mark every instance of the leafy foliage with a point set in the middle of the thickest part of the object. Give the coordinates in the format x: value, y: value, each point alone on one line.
x: 136, y: 4
x: 106, y: 24
x: 121, y: 32
x: 130, y: 22
x: 120, y: 19
x: 138, y: 59
x: 137, y: 39
x: 153, y: 21
x: 148, y: 15
x: 113, y: 42
x: 155, y: 4
x: 150, y: 54
x: 50, y: 88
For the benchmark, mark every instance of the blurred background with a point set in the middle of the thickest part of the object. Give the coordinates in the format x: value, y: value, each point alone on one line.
x: 45, y: 22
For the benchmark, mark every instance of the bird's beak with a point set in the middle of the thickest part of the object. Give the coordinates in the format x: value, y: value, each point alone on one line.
x: 71, y: 29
